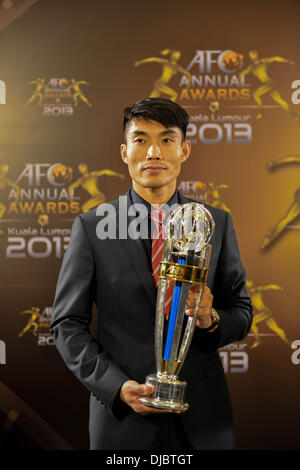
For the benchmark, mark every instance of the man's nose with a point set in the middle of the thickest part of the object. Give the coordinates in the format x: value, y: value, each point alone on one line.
x: 154, y: 151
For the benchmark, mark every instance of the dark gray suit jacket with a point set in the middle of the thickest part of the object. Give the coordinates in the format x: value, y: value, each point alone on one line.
x: 115, y: 274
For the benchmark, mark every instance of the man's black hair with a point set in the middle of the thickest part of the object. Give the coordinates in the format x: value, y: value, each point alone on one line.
x: 168, y: 113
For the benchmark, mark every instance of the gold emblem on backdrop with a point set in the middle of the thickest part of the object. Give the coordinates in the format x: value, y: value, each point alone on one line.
x: 293, y: 210
x: 170, y: 68
x: 58, y: 96
x: 262, y: 313
x: 35, y: 322
x: 259, y: 68
x: 38, y: 325
x: 4, y: 182
x: 89, y: 182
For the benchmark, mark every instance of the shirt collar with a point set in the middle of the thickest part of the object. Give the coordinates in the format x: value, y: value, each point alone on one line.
x: 137, y: 199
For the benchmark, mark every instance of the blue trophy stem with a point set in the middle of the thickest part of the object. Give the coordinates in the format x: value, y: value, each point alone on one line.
x: 173, y: 315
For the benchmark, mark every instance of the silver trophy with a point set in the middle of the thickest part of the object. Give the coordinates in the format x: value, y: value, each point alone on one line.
x: 185, y: 262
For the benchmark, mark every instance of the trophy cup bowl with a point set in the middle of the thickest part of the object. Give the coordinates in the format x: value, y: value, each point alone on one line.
x: 184, y: 263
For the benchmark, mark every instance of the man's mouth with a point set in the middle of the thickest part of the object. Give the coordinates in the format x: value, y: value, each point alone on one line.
x: 154, y: 169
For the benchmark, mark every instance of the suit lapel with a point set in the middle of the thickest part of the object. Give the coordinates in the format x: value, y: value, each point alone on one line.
x: 136, y: 252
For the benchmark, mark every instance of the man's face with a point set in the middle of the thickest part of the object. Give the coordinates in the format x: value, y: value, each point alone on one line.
x: 154, y: 153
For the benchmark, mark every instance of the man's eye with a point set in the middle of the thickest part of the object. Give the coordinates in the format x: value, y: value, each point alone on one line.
x: 138, y: 141
x: 167, y: 140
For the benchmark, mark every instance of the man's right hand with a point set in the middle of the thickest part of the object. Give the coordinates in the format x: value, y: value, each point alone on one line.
x: 130, y: 393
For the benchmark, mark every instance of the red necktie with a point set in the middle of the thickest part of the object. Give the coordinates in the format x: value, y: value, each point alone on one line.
x: 158, y: 239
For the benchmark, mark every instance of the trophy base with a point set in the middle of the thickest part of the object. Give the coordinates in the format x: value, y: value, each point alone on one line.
x: 164, y: 404
x: 169, y: 393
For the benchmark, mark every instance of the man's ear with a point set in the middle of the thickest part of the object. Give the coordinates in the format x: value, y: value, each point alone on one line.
x: 186, y: 150
x: 123, y: 150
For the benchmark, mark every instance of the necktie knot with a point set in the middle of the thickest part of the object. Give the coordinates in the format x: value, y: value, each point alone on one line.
x: 158, y: 215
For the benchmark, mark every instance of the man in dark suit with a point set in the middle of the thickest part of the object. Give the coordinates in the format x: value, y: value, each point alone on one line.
x: 115, y: 273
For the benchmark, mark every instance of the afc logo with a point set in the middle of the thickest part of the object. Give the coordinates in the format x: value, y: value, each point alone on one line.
x: 34, y: 172
x: 206, y: 59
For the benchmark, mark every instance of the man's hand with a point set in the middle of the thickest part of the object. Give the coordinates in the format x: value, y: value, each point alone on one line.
x: 204, y: 319
x: 130, y: 393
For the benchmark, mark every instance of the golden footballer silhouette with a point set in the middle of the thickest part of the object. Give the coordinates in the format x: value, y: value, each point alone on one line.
x: 264, y: 313
x: 259, y: 68
x: 294, y: 209
x: 89, y: 182
x: 40, y: 85
x: 75, y: 85
x: 211, y: 193
x: 33, y: 324
x: 4, y: 181
x: 170, y: 67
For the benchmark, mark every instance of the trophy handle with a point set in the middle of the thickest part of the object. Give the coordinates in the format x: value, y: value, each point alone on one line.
x: 173, y: 361
x: 160, y: 309
x: 204, y: 260
x: 159, y: 322
x: 188, y: 333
